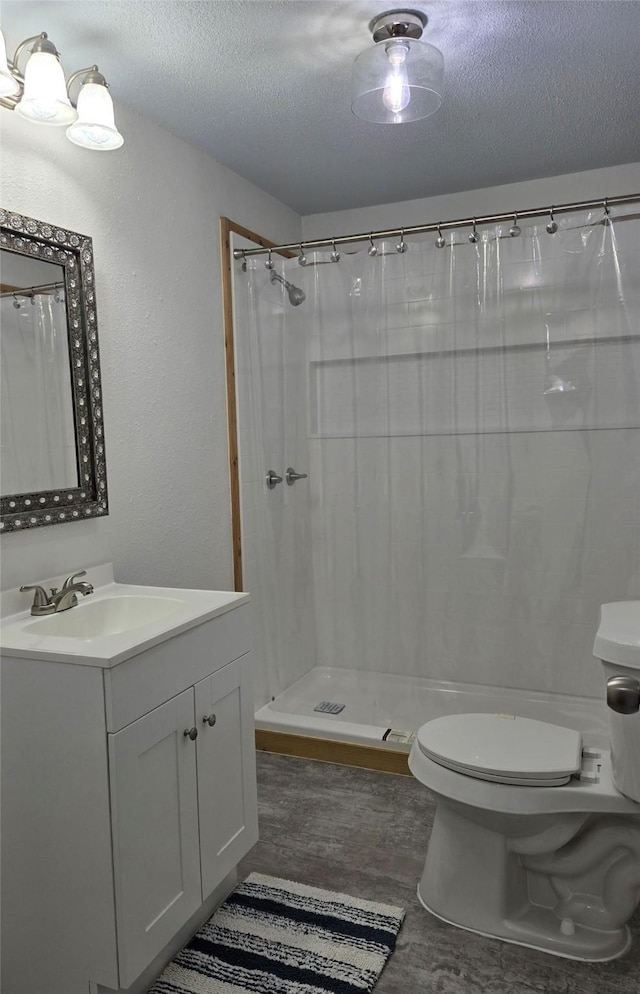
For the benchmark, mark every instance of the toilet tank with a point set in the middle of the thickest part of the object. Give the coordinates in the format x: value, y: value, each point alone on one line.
x: 617, y: 645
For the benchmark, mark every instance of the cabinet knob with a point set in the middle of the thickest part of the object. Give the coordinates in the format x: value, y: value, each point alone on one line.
x: 209, y: 719
x: 191, y: 733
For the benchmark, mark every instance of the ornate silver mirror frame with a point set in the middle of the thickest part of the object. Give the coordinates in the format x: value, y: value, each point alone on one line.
x: 74, y: 253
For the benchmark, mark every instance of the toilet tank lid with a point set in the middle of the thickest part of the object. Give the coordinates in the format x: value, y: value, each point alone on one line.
x: 618, y: 636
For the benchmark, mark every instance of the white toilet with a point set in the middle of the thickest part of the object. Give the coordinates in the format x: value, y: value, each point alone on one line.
x: 536, y: 839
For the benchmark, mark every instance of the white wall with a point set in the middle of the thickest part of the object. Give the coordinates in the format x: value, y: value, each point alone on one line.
x: 152, y: 209
x: 612, y: 181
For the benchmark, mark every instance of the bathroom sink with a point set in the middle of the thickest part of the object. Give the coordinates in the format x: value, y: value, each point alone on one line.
x: 109, y: 616
x: 114, y: 623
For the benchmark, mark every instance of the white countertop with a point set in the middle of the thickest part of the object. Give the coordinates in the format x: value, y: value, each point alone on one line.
x: 194, y: 608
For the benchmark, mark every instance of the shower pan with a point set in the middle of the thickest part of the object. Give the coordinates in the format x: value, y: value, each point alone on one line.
x: 458, y: 523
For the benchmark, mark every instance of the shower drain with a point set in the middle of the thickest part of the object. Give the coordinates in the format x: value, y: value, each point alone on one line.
x: 328, y: 708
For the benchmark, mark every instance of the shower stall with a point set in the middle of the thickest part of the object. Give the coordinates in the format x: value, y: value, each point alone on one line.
x: 465, y: 411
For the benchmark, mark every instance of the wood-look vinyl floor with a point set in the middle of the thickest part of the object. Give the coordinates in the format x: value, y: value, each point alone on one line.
x: 365, y: 833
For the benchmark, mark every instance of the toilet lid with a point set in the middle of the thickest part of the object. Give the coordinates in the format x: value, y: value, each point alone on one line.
x: 503, y: 748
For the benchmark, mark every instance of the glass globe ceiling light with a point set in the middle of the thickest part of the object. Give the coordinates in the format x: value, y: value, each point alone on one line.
x: 399, y: 78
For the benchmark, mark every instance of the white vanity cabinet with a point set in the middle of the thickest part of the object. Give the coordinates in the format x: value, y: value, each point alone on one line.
x: 183, y: 809
x: 119, y: 829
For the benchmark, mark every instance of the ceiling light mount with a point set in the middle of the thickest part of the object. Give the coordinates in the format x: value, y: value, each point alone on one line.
x: 398, y: 24
x: 399, y: 78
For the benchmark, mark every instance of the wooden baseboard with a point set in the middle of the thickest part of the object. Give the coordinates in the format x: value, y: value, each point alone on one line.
x: 331, y: 751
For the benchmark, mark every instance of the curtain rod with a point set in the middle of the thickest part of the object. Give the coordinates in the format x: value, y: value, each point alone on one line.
x: 420, y: 229
x: 29, y: 291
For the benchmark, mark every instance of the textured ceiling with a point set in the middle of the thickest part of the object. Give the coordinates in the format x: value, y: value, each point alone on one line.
x: 532, y: 88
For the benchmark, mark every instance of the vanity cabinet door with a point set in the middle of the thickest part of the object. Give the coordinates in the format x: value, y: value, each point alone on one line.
x: 155, y: 831
x: 227, y: 801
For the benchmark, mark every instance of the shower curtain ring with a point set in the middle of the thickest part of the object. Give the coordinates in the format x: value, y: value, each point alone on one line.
x: 440, y: 240
x: 244, y: 262
x: 607, y: 216
x: 302, y: 259
x: 515, y: 228
x: 473, y: 237
x: 372, y: 250
x: 401, y: 246
x: 335, y: 255
x: 552, y: 226
x: 16, y: 302
x: 269, y: 262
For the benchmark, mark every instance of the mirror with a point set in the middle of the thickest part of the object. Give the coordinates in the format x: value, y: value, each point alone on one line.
x: 52, y: 438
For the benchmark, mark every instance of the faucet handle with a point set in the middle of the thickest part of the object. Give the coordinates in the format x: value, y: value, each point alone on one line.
x: 40, y: 597
x: 69, y: 581
x: 41, y: 602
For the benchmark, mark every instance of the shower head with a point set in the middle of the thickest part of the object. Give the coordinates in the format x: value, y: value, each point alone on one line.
x: 296, y: 295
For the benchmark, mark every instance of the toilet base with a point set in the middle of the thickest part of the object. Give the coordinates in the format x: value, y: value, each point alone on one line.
x: 534, y: 930
x: 547, y: 882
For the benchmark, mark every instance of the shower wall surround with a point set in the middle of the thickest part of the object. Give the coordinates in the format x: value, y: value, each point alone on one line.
x: 161, y: 343
x: 471, y: 513
x: 477, y: 503
x: 527, y: 621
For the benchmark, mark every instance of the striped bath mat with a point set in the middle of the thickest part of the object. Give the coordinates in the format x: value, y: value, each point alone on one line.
x: 273, y: 936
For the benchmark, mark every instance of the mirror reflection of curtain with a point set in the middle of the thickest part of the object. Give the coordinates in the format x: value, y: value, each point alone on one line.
x: 37, y: 434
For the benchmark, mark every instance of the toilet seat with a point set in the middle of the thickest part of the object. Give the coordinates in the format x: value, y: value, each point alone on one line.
x: 503, y: 748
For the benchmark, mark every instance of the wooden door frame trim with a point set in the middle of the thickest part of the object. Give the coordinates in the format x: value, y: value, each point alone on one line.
x: 227, y: 228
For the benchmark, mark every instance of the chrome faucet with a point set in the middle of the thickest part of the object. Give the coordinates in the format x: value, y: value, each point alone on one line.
x: 58, y: 600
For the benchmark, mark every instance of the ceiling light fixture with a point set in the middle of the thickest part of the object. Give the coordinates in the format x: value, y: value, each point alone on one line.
x: 43, y: 97
x: 399, y: 79
x: 95, y: 126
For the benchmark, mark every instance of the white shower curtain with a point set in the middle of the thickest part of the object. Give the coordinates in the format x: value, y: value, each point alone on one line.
x: 469, y: 420
x: 38, y: 438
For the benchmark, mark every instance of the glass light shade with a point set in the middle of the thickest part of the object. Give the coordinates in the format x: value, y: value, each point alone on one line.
x: 45, y: 99
x: 96, y: 126
x: 397, y: 81
x: 9, y: 86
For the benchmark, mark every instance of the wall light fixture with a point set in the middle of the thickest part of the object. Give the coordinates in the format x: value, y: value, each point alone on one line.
x: 400, y: 78
x: 42, y: 95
